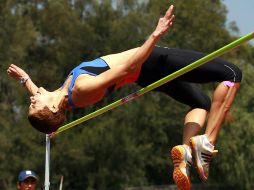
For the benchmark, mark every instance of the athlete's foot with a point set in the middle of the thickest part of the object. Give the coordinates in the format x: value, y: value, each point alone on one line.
x: 182, y: 160
x: 203, y: 153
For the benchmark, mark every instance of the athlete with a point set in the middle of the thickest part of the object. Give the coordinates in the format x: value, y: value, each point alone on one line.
x: 90, y: 81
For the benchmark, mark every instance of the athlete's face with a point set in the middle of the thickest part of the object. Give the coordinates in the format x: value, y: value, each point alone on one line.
x: 41, y: 99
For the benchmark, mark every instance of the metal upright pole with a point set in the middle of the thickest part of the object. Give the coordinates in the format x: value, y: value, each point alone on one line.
x: 47, y: 163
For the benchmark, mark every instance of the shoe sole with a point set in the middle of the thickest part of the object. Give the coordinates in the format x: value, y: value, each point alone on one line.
x: 198, y: 166
x: 181, y: 180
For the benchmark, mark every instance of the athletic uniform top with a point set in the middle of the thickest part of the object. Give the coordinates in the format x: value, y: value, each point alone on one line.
x: 95, y: 68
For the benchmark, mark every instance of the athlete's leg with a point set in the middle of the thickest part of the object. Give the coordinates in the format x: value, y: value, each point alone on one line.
x: 216, y: 70
x: 199, y: 102
x: 203, y: 145
x: 194, y: 121
x: 223, y: 98
x: 169, y: 60
x: 191, y: 95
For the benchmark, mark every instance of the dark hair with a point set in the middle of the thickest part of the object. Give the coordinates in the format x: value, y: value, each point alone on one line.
x: 46, y: 121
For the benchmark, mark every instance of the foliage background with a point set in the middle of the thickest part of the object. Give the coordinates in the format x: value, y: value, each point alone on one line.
x: 130, y: 145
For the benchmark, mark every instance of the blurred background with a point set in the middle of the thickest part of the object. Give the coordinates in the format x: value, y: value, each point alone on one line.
x: 128, y: 146
x: 241, y: 13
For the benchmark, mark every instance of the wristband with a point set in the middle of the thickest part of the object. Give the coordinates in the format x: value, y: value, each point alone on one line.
x: 23, y: 80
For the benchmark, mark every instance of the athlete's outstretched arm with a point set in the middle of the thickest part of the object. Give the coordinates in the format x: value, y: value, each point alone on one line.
x: 132, y: 63
x: 20, y: 75
x: 142, y: 53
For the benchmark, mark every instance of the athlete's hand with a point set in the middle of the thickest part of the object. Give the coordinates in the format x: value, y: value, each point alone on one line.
x: 16, y: 72
x: 165, y: 22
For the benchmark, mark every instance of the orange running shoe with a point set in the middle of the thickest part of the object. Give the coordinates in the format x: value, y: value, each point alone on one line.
x: 182, y: 160
x: 203, y: 153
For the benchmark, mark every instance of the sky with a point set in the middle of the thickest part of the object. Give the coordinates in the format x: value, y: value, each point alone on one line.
x: 241, y: 11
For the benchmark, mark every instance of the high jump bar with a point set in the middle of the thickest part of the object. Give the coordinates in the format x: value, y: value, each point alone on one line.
x: 160, y: 82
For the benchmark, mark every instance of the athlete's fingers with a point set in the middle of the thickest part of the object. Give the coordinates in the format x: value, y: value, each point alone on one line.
x: 172, y: 18
x: 169, y: 12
